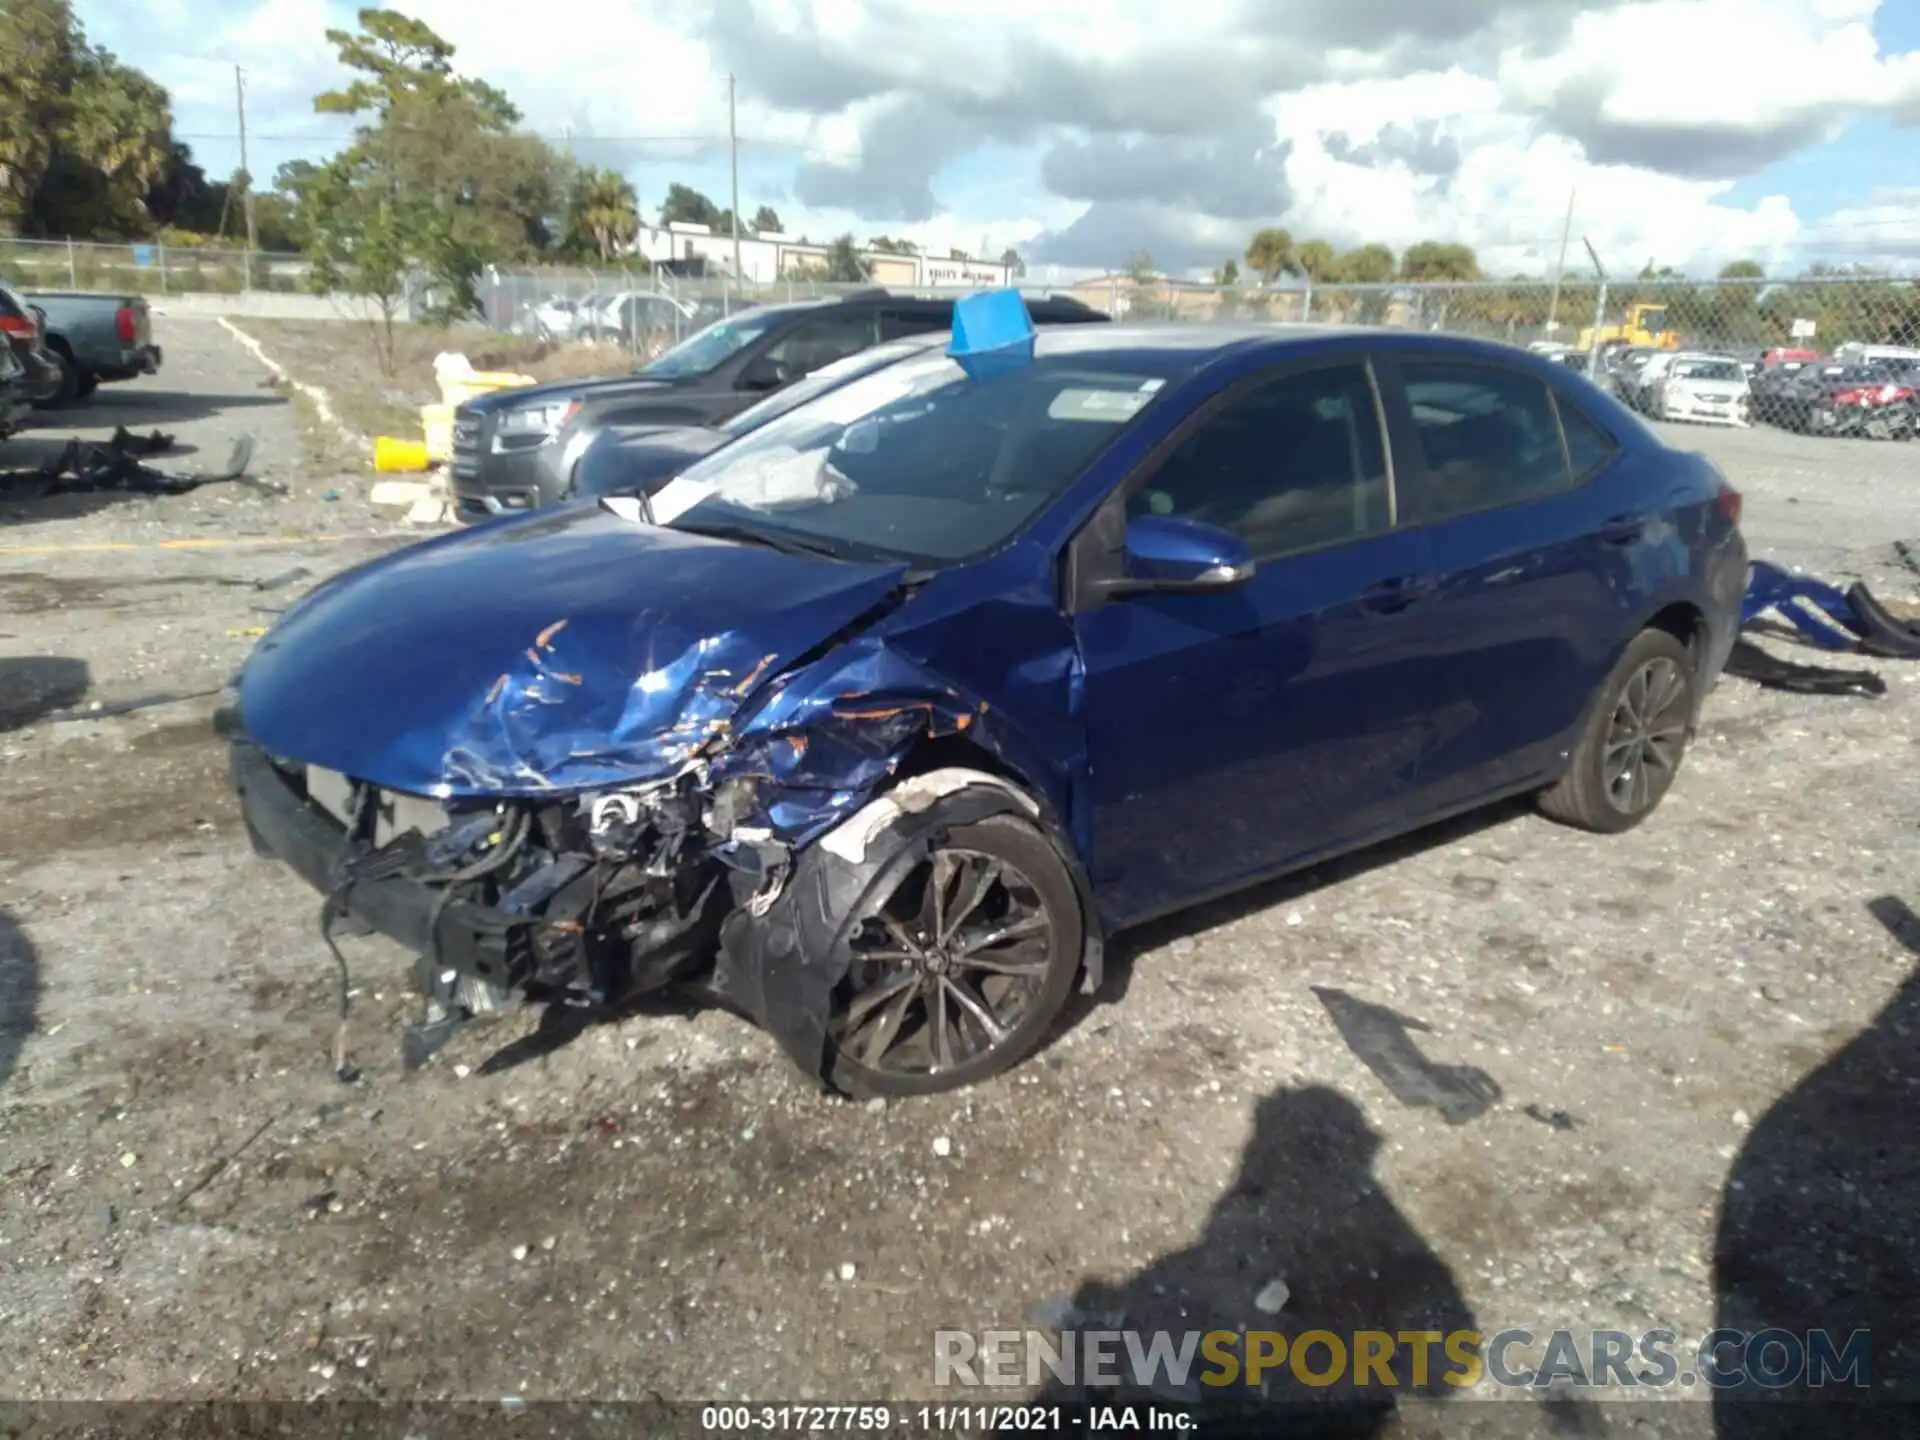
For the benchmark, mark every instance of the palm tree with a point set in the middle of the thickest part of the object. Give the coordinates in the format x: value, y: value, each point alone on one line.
x: 603, y: 212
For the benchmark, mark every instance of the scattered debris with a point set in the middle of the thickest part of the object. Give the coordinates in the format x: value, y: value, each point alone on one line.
x: 1381, y: 1040
x: 847, y: 1270
x: 249, y: 631
x: 1272, y: 1298
x: 1554, y: 1119
x: 106, y: 709
x: 85, y: 468
x: 284, y: 578
x: 1749, y: 662
x: 942, y: 1146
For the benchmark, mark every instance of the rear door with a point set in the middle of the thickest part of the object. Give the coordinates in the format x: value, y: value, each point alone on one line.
x: 1234, y: 733
x: 1534, y: 530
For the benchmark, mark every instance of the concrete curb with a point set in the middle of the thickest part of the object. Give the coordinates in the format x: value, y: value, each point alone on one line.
x: 313, y: 392
x: 427, y: 502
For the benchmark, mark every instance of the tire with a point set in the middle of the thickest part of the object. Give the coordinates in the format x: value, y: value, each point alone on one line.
x: 69, y: 390
x: 1656, y: 670
x: 86, y: 385
x: 895, y: 992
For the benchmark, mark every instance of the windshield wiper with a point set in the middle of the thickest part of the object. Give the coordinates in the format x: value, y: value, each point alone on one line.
x: 748, y: 535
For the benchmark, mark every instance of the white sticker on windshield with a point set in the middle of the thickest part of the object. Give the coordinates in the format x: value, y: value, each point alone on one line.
x: 859, y: 399
x: 1111, y: 406
x: 1148, y: 387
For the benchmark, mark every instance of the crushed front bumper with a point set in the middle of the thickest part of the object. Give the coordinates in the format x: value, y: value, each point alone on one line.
x: 284, y: 825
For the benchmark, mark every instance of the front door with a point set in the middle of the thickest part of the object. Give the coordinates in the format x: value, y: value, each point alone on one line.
x: 1235, y: 733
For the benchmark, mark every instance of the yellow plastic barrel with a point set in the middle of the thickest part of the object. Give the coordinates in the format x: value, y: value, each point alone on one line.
x: 458, y: 389
x: 393, y: 456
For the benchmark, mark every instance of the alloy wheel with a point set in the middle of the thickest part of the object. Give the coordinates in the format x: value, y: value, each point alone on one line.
x: 1646, y: 735
x: 946, y: 968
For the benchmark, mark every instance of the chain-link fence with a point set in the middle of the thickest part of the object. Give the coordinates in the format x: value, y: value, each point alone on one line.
x: 147, y: 269
x: 1829, y: 354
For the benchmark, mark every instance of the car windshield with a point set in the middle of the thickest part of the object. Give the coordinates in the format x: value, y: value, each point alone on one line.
x: 1708, y: 370
x: 829, y: 377
x: 916, y: 461
x: 714, y: 346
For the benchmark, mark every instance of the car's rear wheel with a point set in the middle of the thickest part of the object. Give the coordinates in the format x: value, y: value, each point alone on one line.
x: 1634, y: 741
x: 960, y: 971
x: 69, y: 390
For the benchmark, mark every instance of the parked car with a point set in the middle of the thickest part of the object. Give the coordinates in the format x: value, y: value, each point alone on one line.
x: 918, y: 694
x: 517, y: 449
x: 24, y: 326
x: 1873, y: 401
x: 16, y: 391
x: 1832, y: 397
x: 1712, y: 389
x: 1640, y: 376
x: 1773, y: 388
x: 641, y: 459
x: 96, y: 339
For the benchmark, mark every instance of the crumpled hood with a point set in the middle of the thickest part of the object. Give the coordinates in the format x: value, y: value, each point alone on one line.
x: 565, y: 650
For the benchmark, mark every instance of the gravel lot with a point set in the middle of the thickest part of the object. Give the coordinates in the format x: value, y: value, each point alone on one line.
x: 192, y: 1206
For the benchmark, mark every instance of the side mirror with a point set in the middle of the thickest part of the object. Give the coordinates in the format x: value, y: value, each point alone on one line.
x: 763, y: 372
x: 1167, y: 555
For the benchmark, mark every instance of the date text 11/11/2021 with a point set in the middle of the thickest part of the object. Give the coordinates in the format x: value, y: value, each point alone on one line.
x: 947, y: 1419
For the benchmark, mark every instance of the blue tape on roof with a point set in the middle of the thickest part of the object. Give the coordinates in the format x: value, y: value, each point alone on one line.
x: 992, y: 334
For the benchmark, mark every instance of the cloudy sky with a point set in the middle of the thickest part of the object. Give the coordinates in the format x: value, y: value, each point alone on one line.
x: 1683, y: 131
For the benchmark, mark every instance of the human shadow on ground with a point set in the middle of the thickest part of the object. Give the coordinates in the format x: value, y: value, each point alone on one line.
x: 1820, y: 1234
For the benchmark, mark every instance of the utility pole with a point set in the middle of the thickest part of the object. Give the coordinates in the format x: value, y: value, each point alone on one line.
x: 733, y: 150
x: 1560, y: 269
x: 246, y: 173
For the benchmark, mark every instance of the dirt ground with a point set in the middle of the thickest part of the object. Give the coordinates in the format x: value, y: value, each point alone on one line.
x: 343, y: 358
x: 1685, y: 1025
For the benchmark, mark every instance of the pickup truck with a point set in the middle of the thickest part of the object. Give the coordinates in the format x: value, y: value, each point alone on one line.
x: 95, y: 338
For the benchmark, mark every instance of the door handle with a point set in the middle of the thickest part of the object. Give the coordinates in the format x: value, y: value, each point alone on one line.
x: 1622, y: 529
x: 1390, y: 597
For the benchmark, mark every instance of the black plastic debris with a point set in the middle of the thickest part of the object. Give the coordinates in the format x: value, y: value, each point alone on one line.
x: 285, y: 577
x: 1749, y: 662
x: 86, y: 468
x: 1382, y: 1040
x: 109, y: 708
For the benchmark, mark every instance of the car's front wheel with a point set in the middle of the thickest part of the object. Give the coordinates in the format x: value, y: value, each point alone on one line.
x: 961, y: 969
x: 1634, y: 739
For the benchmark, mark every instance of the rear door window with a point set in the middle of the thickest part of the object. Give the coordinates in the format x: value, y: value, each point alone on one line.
x: 1488, y: 437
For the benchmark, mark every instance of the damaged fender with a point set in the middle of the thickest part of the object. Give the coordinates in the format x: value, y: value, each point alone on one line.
x: 782, y: 966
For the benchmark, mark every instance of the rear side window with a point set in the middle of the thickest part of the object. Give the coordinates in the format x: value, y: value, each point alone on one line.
x: 895, y: 324
x: 1489, y: 437
x: 1588, y: 446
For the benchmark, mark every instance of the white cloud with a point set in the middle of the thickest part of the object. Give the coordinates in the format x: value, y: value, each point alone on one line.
x: 1094, y: 128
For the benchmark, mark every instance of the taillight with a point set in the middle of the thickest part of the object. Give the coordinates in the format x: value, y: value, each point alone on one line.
x: 123, y: 322
x: 19, y: 325
x: 1854, y: 397
x: 1729, y: 502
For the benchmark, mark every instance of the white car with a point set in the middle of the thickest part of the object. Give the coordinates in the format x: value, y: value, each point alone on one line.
x: 1712, y: 389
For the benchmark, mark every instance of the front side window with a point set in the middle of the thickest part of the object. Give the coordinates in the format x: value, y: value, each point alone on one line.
x: 828, y: 377
x: 709, y: 349
x: 918, y: 462
x: 819, y: 342
x: 1289, y: 465
x: 1489, y: 437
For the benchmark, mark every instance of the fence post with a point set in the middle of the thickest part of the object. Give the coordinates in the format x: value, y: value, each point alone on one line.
x: 73, y: 273
x: 1599, y: 319
x: 1306, y: 302
x: 160, y: 255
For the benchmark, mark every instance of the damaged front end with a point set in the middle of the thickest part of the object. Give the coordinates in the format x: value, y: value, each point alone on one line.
x: 593, y: 836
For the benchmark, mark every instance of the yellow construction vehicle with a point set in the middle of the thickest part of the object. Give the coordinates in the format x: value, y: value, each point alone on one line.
x: 1645, y: 328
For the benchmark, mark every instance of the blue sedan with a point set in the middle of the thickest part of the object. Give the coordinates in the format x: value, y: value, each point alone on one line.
x: 884, y: 717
